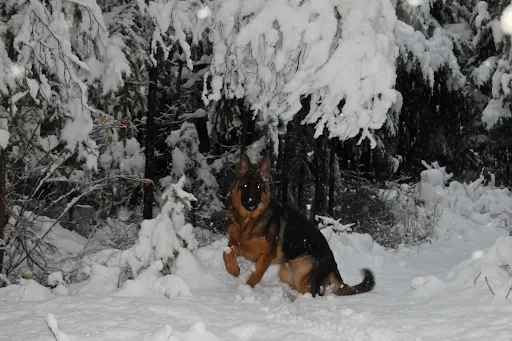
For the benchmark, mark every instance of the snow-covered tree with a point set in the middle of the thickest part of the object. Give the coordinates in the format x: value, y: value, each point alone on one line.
x: 51, y: 53
x: 160, y: 242
x: 188, y: 161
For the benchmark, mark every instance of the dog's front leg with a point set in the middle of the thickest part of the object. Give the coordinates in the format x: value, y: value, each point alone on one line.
x: 230, y: 262
x: 262, y: 265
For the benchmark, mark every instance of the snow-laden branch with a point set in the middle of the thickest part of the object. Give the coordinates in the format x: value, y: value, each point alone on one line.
x: 53, y: 44
x: 274, y: 52
x: 176, y: 20
x: 430, y: 53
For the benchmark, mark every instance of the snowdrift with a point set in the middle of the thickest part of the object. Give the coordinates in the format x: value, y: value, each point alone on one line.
x: 489, y: 269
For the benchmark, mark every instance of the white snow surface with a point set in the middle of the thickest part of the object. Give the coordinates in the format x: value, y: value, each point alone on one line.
x: 454, y: 288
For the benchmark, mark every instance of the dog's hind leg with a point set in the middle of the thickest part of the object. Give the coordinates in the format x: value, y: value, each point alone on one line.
x: 297, y: 274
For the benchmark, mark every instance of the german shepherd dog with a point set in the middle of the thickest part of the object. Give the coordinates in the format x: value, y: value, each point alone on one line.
x: 267, y: 232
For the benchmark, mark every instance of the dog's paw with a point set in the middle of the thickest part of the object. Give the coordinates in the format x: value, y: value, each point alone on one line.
x: 231, y: 263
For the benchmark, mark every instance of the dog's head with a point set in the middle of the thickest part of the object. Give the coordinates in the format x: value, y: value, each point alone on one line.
x: 251, y: 189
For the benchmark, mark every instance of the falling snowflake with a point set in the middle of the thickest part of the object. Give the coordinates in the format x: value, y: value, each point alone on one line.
x: 204, y: 12
x: 16, y: 70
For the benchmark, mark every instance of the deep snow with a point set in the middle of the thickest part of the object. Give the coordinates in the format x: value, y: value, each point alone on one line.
x: 445, y: 304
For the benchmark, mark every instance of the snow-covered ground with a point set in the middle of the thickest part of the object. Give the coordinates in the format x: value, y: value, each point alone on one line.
x: 454, y: 288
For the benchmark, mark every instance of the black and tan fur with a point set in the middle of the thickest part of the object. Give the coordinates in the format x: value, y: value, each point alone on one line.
x: 266, y: 232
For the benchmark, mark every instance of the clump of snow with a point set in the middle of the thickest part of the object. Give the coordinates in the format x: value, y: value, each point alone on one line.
x: 33, y: 89
x: 427, y: 285
x: 123, y: 157
x: 415, y: 3
x: 484, y: 72
x: 116, y: 65
x: 101, y: 280
x: 497, y: 33
x: 56, y: 282
x: 52, y: 323
x: 204, y: 12
x: 7, y: 79
x: 431, y: 54
x: 197, y: 331
x: 150, y: 281
x: 432, y: 181
x: 26, y: 290
x: 494, y: 112
x: 334, y: 224
x: 16, y: 70
x: 4, y: 133
x: 482, y: 13
x: 76, y: 132
x: 188, y: 267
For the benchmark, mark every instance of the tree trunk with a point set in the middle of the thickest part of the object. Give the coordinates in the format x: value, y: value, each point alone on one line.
x: 507, y: 167
x: 3, y: 204
x: 280, y: 165
x: 332, y: 154
x: 149, y: 170
x: 245, y: 129
x: 286, y: 156
x: 319, y: 207
x: 301, y: 204
x: 8, y: 38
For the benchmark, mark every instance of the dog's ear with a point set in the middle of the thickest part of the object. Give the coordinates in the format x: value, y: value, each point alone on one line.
x: 244, y: 165
x: 264, y: 167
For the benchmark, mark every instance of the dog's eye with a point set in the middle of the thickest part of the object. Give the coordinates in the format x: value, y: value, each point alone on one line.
x: 245, y: 185
x: 259, y: 186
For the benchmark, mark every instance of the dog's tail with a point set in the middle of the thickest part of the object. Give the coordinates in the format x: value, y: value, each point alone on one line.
x: 342, y: 289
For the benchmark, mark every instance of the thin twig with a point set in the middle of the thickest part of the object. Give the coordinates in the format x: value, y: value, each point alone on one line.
x: 476, y: 278
x: 68, y: 207
x: 489, y: 285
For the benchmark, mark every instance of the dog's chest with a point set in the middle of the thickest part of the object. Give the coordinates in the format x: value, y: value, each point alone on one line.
x: 250, y: 244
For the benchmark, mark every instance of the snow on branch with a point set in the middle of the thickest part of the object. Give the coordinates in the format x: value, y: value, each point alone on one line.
x: 498, y: 107
x: 177, y: 20
x: 431, y: 53
x: 52, y: 323
x: 7, y: 82
x: 274, y: 52
x: 53, y: 41
x: 7, y: 76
